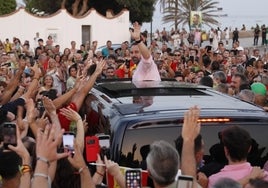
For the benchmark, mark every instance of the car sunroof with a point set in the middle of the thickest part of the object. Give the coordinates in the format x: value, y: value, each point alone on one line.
x: 149, y: 88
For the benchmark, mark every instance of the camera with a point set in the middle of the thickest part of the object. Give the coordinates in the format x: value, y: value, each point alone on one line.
x: 40, y: 107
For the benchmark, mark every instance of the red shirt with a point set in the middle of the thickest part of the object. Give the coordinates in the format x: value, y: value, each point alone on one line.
x: 65, y: 123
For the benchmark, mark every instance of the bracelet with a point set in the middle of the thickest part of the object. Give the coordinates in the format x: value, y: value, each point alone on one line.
x: 81, y: 169
x: 44, y: 176
x: 100, y: 173
x: 138, y: 41
x: 43, y: 160
x: 40, y: 175
x: 25, y: 168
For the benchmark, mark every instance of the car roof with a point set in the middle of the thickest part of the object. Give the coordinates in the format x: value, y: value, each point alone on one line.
x: 151, y: 96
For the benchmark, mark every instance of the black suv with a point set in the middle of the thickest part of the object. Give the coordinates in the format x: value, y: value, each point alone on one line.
x: 136, y: 114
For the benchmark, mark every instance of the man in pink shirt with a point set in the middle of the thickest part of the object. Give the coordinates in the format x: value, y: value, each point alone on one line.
x: 140, y: 55
x: 237, y: 144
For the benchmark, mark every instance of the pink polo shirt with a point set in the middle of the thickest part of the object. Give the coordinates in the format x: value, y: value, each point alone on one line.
x: 235, y: 172
x: 146, y: 70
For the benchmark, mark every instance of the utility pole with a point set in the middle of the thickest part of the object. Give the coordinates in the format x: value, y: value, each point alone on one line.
x: 196, y: 4
x: 151, y: 30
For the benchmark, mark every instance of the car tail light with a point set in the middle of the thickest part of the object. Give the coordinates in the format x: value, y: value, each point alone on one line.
x: 213, y: 120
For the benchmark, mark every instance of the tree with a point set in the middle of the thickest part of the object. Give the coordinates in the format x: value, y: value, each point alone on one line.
x: 48, y: 6
x: 6, y: 7
x: 168, y: 6
x: 140, y: 10
x: 178, y: 11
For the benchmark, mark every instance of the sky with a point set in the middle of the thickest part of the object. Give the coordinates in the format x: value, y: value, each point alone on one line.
x: 238, y: 11
x: 244, y: 7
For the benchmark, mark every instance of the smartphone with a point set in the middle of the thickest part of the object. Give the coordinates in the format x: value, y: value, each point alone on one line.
x: 92, y: 148
x: 185, y: 181
x: 9, y: 134
x: 68, y: 141
x: 104, y: 142
x: 133, y: 178
x: 40, y: 107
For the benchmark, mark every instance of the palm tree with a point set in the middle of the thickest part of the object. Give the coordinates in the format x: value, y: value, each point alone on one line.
x: 178, y: 11
x: 167, y: 6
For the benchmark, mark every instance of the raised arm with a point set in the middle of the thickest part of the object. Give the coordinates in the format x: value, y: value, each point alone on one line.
x: 14, y: 82
x: 35, y: 81
x: 78, y: 162
x: 136, y: 35
x: 190, y: 130
x: 31, y: 115
x: 25, y: 179
x: 114, y: 170
x: 87, y: 85
x: 75, y: 117
x: 46, y: 152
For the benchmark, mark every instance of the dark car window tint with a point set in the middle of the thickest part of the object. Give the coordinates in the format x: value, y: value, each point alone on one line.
x: 134, y: 139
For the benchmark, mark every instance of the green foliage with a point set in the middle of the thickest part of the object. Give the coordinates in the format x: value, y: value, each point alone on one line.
x: 7, y: 6
x: 140, y: 10
x: 48, y: 6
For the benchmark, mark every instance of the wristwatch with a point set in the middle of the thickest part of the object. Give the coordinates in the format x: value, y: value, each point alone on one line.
x: 138, y: 41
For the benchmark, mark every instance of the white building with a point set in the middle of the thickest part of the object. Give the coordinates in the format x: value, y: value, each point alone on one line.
x: 64, y: 28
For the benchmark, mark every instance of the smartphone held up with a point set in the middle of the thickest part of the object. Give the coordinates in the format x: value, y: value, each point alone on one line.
x: 185, y: 181
x: 68, y: 142
x: 133, y: 178
x: 97, y: 144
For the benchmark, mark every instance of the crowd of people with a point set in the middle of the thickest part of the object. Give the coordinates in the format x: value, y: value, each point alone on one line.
x: 43, y: 89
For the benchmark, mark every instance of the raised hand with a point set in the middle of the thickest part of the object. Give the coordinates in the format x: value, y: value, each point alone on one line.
x: 20, y: 149
x: 49, y: 106
x: 47, y: 143
x: 100, y: 65
x: 191, y: 126
x: 135, y: 34
x: 70, y: 114
x: 77, y: 161
x: 37, y: 71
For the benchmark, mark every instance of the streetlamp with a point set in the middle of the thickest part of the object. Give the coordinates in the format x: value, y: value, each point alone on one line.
x: 151, y: 30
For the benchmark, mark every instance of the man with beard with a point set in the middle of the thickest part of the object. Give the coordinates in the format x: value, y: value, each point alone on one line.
x: 140, y: 55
